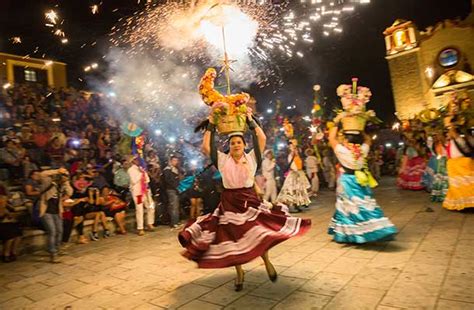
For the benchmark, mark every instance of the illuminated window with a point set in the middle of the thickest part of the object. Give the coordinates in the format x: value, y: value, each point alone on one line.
x: 30, y: 76
x: 400, y: 38
x: 448, y: 57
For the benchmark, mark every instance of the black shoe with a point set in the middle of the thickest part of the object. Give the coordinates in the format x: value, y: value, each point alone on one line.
x: 272, y: 274
x: 239, y: 285
x: 6, y: 259
x: 106, y: 233
x: 273, y: 277
x: 94, y: 236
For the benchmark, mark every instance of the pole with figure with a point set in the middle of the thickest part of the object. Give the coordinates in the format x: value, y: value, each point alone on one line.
x: 226, y: 62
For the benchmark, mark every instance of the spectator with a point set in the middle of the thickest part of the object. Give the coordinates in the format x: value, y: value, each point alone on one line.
x: 55, y: 153
x: 329, y: 170
x: 57, y: 133
x: 115, y: 208
x: 312, y: 163
x: 268, y: 172
x: 141, y: 194
x: 68, y: 218
x: 11, y: 158
x: 95, y: 209
x: 41, y: 137
x: 196, y: 196
x: 171, y: 178
x: 10, y: 231
x: 56, y: 187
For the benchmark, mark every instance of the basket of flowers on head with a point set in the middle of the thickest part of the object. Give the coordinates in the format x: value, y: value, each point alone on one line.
x: 228, y: 112
x: 354, y: 98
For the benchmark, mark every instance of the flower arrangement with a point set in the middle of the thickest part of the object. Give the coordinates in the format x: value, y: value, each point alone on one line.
x: 288, y: 128
x: 460, y: 110
x: 354, y: 99
x: 230, y: 109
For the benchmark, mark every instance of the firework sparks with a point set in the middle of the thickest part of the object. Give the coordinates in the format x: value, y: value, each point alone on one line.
x: 51, y: 17
x: 15, y: 40
x: 94, y: 9
x: 59, y: 33
x: 172, y: 41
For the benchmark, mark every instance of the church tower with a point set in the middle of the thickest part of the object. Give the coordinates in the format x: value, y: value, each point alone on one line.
x: 404, y: 61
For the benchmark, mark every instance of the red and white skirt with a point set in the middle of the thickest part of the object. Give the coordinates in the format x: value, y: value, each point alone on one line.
x: 240, y: 229
x: 411, y: 174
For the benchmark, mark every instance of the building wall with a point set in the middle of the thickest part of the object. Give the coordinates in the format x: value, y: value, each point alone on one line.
x: 57, y: 76
x: 412, y: 88
x: 430, y: 47
x: 406, y: 83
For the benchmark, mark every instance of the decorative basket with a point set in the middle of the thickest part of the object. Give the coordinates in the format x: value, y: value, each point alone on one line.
x: 231, y: 123
x: 353, y: 123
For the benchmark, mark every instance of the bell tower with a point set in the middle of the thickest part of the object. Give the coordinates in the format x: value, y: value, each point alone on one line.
x: 404, y: 61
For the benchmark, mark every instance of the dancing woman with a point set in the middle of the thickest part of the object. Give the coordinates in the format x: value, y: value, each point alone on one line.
x: 435, y: 178
x: 358, y: 218
x: 412, y: 168
x: 460, y: 167
x: 294, y: 192
x: 242, y: 227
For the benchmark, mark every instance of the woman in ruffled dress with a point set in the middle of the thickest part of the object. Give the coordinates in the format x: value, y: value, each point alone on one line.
x: 358, y: 218
x: 412, y: 167
x: 294, y: 192
x: 435, y: 179
x: 242, y: 227
x: 460, y: 167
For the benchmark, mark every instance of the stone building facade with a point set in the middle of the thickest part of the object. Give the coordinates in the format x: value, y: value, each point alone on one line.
x: 18, y: 69
x: 425, y: 65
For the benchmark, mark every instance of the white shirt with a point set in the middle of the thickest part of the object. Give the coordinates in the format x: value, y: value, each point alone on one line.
x: 348, y: 160
x: 135, y: 174
x: 311, y: 163
x: 454, y: 151
x: 240, y: 174
x: 268, y: 167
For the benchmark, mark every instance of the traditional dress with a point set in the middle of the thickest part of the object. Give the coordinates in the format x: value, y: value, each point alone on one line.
x: 435, y: 178
x: 460, y: 168
x: 411, y: 171
x: 242, y: 227
x: 294, y: 192
x: 358, y: 218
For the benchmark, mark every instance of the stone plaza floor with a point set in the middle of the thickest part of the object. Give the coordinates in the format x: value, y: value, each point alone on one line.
x: 429, y: 266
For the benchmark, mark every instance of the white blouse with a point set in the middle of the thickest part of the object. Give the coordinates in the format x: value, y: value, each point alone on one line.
x: 237, y: 174
x: 347, y: 159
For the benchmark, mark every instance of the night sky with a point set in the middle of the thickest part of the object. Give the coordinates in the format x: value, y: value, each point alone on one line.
x: 358, y: 51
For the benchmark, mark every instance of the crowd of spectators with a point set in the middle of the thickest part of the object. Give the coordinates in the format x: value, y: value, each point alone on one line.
x: 63, y: 156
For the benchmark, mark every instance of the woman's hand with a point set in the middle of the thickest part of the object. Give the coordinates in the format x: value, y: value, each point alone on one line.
x: 211, y: 119
x: 249, y: 113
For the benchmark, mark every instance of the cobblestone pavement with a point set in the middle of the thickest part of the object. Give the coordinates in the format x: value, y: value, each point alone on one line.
x: 430, y: 265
